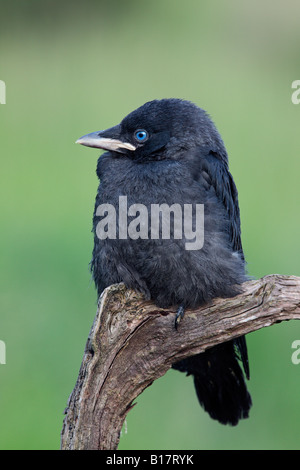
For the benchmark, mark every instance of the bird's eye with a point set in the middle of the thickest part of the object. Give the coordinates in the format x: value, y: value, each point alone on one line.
x: 141, y: 135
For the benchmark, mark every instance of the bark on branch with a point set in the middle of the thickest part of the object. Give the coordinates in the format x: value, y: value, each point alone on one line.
x: 132, y: 343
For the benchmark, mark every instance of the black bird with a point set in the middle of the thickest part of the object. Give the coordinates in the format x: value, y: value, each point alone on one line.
x: 169, y: 152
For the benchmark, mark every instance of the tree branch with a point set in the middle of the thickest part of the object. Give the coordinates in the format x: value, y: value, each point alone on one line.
x: 132, y: 343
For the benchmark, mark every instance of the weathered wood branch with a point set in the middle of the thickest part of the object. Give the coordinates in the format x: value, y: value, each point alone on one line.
x: 132, y: 342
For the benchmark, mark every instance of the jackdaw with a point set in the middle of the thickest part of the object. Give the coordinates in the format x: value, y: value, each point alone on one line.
x: 169, y: 154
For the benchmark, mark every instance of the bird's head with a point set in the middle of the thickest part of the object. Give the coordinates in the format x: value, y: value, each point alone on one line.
x: 160, y: 130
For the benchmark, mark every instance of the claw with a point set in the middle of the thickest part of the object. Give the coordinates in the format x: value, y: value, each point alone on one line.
x: 179, y: 316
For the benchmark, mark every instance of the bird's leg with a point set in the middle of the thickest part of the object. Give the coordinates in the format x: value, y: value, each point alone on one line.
x: 179, y: 315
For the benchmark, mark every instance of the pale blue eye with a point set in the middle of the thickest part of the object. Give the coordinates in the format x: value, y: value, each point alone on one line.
x: 141, y: 135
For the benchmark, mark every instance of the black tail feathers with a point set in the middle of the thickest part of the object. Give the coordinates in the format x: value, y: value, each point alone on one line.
x: 219, y: 381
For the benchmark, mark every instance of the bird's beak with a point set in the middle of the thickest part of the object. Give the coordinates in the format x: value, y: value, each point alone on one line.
x: 106, y: 140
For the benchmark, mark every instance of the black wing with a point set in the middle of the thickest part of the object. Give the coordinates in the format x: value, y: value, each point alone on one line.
x: 215, y: 170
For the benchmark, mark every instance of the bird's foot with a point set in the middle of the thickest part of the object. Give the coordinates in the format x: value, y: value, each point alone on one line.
x: 179, y: 316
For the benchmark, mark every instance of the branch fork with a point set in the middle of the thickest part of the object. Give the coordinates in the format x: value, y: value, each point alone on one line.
x: 132, y: 342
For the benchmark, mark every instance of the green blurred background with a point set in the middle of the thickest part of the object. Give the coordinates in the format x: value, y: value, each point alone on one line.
x: 75, y: 67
